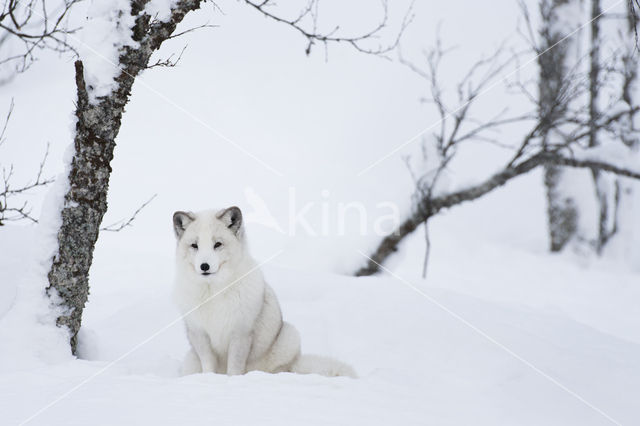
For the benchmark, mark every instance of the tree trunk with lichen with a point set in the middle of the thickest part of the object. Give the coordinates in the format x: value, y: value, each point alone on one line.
x: 85, y: 201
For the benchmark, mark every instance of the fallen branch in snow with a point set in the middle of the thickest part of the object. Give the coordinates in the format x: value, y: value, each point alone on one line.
x: 433, y: 206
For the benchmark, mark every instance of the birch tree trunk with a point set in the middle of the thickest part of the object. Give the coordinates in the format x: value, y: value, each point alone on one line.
x: 555, y: 60
x: 628, y: 237
x: 85, y: 201
x: 606, y: 186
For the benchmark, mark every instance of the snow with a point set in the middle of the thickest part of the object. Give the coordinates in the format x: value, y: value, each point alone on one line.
x: 28, y: 333
x: 106, y: 30
x: 418, y: 363
x: 612, y: 152
x: 30, y: 316
x: 159, y: 9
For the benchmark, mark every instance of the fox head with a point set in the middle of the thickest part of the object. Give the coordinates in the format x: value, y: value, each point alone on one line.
x: 210, y: 243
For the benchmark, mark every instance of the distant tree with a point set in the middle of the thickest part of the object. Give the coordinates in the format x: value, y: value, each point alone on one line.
x: 627, y: 199
x: 558, y: 58
x: 563, y: 121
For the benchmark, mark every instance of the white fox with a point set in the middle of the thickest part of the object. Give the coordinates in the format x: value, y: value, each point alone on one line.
x: 233, y: 319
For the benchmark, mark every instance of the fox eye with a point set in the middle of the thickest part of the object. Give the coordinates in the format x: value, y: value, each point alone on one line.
x: 194, y: 245
x: 216, y: 245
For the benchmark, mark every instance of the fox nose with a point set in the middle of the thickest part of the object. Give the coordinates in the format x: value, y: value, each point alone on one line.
x: 204, y: 267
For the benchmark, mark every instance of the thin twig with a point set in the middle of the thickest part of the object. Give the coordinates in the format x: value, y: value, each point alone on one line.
x: 121, y: 224
x: 314, y: 36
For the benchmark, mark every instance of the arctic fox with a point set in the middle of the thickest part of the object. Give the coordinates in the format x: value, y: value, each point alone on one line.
x: 233, y: 319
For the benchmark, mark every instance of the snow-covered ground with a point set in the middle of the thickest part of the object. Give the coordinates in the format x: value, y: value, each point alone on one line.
x: 501, y: 332
x: 499, y: 335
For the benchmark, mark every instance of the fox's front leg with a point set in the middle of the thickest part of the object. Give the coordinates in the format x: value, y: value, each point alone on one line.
x: 239, y: 349
x: 202, y: 345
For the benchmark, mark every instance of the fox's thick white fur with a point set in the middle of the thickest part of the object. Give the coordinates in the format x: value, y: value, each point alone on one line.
x: 232, y: 316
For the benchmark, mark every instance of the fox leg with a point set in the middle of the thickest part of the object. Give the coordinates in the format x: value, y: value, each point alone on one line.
x: 202, y: 345
x: 239, y: 349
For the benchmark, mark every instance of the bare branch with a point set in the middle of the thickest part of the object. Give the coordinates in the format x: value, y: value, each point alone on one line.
x: 121, y: 224
x: 29, y: 31
x: 6, y: 122
x: 198, y: 27
x: 168, y: 62
x: 9, y: 211
x: 314, y: 36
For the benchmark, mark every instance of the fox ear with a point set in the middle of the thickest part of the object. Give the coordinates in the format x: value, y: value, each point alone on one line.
x: 180, y: 222
x: 232, y: 217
